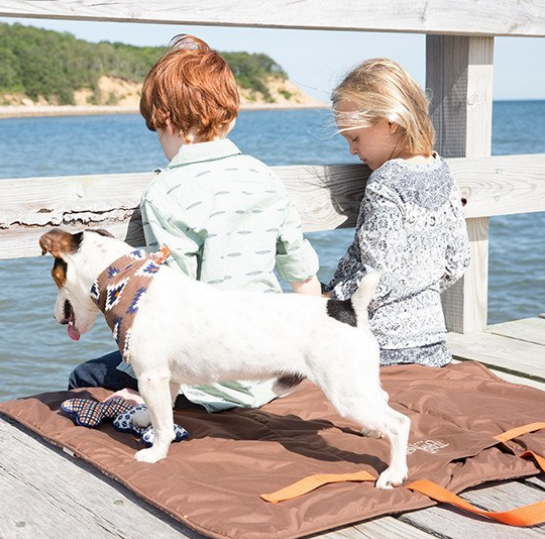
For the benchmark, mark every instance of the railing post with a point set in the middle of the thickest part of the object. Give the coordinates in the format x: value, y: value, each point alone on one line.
x: 459, y: 77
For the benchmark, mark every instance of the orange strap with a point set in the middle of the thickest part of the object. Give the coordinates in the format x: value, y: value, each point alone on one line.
x: 519, y: 431
x: 312, y: 482
x: 529, y: 515
x: 538, y: 458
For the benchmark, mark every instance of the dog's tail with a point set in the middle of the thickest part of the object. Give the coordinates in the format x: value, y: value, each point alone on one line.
x: 363, y: 295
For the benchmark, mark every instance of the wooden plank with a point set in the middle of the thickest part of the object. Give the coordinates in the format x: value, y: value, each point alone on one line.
x: 475, y: 133
x: 47, y: 495
x: 327, y: 197
x: 381, y: 528
x: 465, y: 304
x: 462, y: 17
x: 459, y: 76
x: 528, y: 329
x: 537, y: 481
x: 448, y: 522
x: 489, y: 186
x: 500, y: 185
x: 516, y: 379
x: 503, y: 353
x: 386, y: 528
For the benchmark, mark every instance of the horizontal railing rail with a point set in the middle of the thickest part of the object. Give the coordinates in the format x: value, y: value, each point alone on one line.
x: 327, y: 197
x: 453, y: 17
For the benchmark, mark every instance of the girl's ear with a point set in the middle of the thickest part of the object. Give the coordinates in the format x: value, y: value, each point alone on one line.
x: 393, y: 127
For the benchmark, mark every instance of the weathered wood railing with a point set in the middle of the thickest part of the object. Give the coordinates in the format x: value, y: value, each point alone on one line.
x: 459, y: 65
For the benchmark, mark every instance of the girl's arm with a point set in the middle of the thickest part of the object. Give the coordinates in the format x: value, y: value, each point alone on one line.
x: 380, y: 244
x: 310, y: 287
x: 458, y: 248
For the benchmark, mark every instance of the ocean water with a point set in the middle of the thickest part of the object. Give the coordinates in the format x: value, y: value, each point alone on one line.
x: 35, y: 352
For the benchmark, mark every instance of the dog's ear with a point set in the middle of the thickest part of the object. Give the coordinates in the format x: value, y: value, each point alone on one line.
x: 59, y: 242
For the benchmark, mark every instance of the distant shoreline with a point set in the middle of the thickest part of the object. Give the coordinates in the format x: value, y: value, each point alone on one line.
x: 36, y: 111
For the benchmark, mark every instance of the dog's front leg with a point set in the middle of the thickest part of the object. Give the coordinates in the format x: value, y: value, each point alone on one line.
x: 156, y: 394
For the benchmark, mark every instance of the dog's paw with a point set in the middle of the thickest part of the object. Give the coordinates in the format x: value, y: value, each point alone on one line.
x: 371, y: 433
x: 391, y: 478
x: 150, y: 455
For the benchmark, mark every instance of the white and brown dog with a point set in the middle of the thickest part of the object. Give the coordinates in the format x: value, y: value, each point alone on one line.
x: 189, y: 332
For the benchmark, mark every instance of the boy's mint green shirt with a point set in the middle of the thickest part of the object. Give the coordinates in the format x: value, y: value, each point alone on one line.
x: 229, y: 222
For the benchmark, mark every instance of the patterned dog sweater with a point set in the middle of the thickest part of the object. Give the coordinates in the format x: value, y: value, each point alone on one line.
x: 118, y: 290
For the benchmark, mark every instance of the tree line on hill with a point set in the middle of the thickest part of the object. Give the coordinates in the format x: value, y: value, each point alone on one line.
x: 38, y: 62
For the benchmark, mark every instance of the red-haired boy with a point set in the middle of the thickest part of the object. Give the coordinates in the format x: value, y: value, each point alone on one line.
x: 225, y: 216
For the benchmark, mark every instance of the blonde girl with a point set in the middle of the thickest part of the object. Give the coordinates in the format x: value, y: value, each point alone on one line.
x: 410, y: 225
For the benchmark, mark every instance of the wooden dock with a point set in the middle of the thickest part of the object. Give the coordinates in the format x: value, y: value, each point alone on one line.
x: 48, y: 494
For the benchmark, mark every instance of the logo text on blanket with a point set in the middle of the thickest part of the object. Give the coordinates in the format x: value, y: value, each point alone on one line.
x: 429, y: 446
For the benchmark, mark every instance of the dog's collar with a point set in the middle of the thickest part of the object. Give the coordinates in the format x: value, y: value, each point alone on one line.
x: 118, y: 290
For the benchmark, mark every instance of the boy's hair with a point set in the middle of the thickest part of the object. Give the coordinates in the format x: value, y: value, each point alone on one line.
x: 192, y: 88
x: 381, y: 89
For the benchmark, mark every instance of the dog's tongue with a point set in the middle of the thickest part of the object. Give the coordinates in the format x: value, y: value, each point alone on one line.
x: 73, y: 333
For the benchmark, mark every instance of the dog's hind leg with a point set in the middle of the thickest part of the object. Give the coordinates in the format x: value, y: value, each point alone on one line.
x: 377, y: 415
x: 373, y: 433
x: 157, y: 396
x: 395, y: 427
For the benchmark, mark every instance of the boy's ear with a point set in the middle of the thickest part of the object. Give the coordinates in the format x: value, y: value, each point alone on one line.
x: 171, y: 130
x: 230, y: 126
x: 168, y: 127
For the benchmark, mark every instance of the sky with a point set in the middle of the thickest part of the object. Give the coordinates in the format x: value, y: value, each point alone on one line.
x: 316, y: 60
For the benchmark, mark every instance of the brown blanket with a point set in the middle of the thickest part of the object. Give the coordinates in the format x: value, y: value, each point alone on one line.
x: 212, y: 482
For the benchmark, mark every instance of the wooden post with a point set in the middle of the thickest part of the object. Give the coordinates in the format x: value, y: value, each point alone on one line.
x: 459, y: 77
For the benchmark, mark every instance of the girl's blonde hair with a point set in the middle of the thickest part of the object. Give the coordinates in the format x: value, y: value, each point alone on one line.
x: 381, y: 89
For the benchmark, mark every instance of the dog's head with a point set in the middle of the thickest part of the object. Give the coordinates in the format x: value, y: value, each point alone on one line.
x: 79, y: 258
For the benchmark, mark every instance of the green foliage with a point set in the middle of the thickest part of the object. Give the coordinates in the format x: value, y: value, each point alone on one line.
x: 286, y: 93
x: 252, y: 70
x: 52, y: 64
